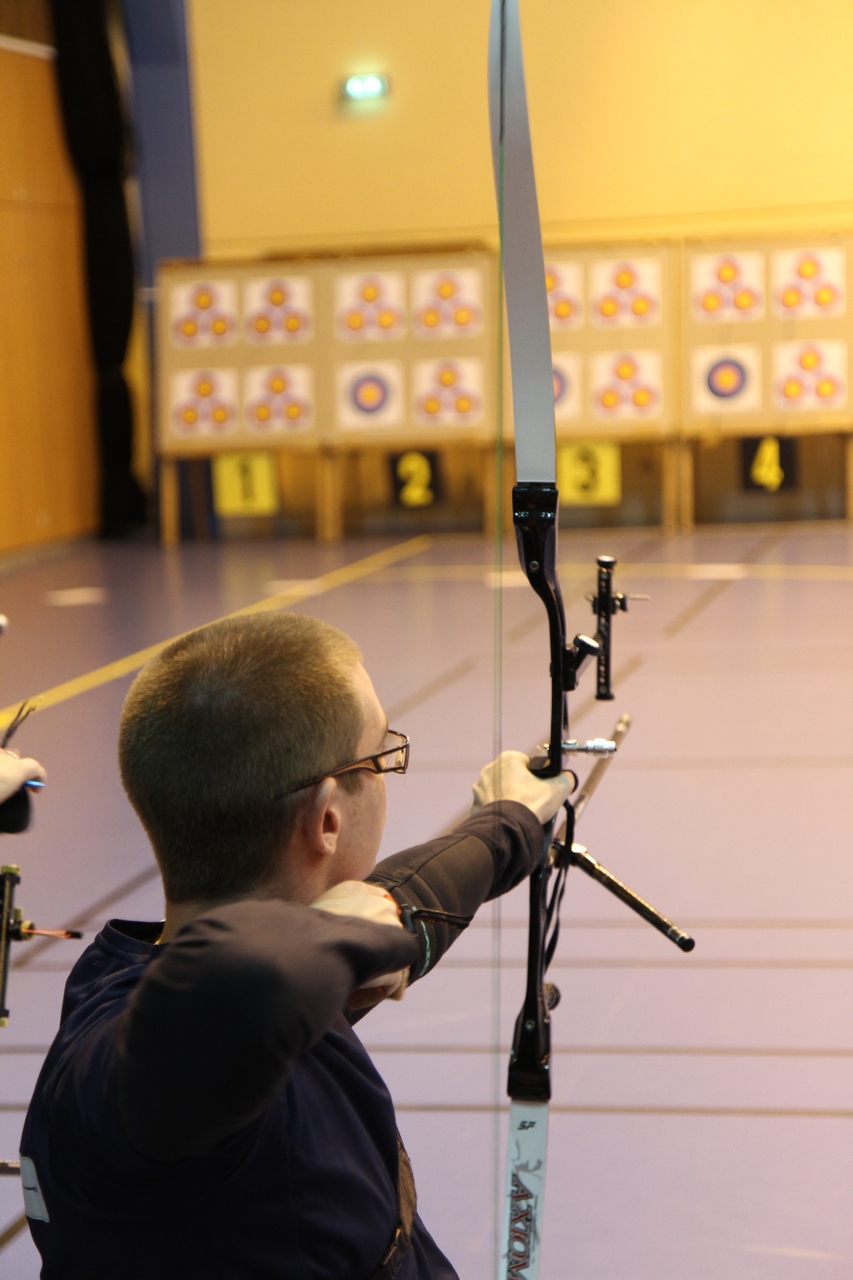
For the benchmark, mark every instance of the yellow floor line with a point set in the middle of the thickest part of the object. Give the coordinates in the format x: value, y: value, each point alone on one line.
x: 293, y: 595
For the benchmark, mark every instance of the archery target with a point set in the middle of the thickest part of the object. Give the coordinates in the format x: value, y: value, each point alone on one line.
x: 625, y: 293
x: 567, y: 385
x: 447, y: 303
x: 370, y: 394
x: 564, y: 286
x: 810, y: 376
x: 447, y: 392
x: 370, y: 306
x: 278, y: 309
x: 726, y: 287
x: 626, y: 385
x: 809, y: 282
x: 203, y: 313
x: 726, y: 379
x: 203, y: 402
x: 278, y: 398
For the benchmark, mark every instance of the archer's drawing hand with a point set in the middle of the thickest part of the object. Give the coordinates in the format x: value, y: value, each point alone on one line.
x: 367, y: 902
x: 508, y: 778
x: 14, y: 772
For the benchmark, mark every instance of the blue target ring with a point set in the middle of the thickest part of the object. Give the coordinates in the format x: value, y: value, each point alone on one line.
x: 726, y: 378
x: 561, y: 385
x: 369, y: 393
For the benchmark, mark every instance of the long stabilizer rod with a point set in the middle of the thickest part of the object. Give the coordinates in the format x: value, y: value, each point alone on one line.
x: 597, y: 772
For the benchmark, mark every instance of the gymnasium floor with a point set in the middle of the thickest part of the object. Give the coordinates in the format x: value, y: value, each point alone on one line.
x: 703, y: 1115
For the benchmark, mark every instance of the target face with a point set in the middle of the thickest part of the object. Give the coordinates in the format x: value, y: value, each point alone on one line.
x: 566, y: 367
x: 370, y: 306
x: 626, y: 385
x: 203, y: 313
x: 726, y: 378
x: 370, y: 394
x: 203, y: 402
x: 625, y: 293
x: 727, y: 287
x: 447, y: 303
x: 810, y: 282
x: 564, y: 287
x: 810, y: 376
x: 278, y: 399
x: 447, y: 392
x: 278, y: 310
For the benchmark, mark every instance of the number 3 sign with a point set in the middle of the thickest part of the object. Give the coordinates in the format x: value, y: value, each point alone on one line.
x: 589, y: 475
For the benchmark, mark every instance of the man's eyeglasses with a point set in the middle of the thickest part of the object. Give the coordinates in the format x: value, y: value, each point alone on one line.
x: 393, y: 758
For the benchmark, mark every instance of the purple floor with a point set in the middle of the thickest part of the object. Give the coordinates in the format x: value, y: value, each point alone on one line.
x: 703, y: 1113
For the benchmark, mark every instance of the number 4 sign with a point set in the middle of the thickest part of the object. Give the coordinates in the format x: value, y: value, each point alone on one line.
x: 589, y: 475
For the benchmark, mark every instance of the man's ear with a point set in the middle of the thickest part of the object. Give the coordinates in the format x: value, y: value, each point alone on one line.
x: 321, y: 819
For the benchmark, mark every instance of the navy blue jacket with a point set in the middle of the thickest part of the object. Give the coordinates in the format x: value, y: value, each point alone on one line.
x: 207, y: 1111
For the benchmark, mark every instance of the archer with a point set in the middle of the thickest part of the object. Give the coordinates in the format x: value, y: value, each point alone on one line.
x: 206, y: 1109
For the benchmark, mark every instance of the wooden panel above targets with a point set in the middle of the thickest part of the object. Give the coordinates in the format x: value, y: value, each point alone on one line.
x: 766, y: 336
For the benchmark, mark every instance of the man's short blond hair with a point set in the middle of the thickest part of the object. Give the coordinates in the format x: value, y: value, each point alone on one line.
x: 219, y: 724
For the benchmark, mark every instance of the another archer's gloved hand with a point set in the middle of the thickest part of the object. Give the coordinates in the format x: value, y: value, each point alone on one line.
x: 508, y: 778
x: 367, y: 902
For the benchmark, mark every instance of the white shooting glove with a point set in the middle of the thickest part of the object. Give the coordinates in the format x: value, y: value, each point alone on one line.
x: 367, y: 902
x: 508, y: 778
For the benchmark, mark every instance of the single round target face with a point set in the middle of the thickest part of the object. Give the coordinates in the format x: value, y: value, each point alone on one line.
x: 726, y: 378
x: 446, y: 289
x: 560, y: 385
x: 369, y: 393
x: 810, y: 359
x: 825, y: 295
x: 563, y: 309
x: 791, y: 297
x: 808, y: 269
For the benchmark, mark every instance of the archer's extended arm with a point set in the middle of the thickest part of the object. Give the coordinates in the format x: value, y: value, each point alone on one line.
x: 487, y: 855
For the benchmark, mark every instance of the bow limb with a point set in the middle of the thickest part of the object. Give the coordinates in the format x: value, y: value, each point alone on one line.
x: 535, y: 516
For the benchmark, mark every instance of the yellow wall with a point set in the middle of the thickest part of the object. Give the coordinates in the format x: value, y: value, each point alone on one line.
x: 48, y: 470
x: 649, y: 117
